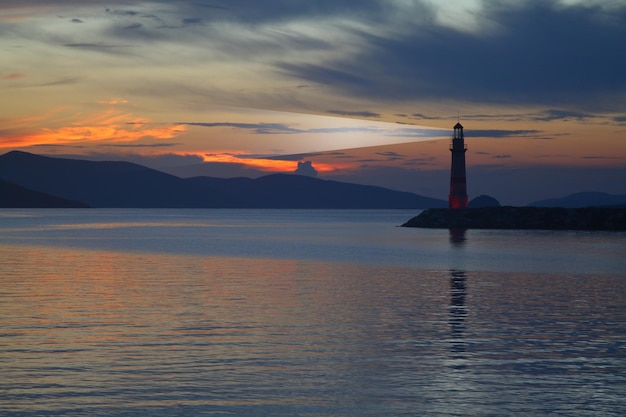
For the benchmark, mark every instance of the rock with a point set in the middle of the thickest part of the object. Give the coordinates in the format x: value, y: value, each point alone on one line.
x: 538, y: 218
x: 483, y: 201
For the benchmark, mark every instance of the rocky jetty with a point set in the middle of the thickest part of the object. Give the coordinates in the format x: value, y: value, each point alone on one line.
x: 524, y: 218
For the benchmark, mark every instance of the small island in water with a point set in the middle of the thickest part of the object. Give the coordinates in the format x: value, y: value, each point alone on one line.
x: 523, y: 218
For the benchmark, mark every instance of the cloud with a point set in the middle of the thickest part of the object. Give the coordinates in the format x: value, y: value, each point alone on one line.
x: 133, y: 26
x: 306, y: 168
x: 192, y: 21
x: 13, y: 76
x: 556, y: 114
x: 113, y: 101
x: 258, y: 128
x: 364, y: 114
x: 529, y: 52
x: 281, y: 128
x: 603, y: 157
x: 423, y: 116
x: 99, y: 47
x: 138, y: 145
x: 391, y: 156
x: 547, y: 115
x: 501, y: 133
x: 107, y: 126
x: 532, y: 52
x: 60, y: 81
x: 275, y: 11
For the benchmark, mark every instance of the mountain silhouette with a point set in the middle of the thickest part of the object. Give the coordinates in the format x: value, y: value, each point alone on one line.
x: 104, y: 183
x: 128, y: 185
x: 15, y: 196
x: 297, y: 191
x: 584, y: 199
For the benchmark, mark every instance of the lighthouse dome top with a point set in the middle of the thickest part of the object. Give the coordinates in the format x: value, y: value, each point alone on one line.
x: 458, y: 126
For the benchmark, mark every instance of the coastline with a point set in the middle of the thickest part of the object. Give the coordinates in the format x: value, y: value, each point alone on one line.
x: 523, y: 218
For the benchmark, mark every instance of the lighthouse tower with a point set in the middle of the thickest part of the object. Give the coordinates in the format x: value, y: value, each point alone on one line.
x: 458, y: 186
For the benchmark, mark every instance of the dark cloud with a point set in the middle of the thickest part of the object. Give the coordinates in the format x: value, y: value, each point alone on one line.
x: 555, y: 114
x: 192, y: 21
x: 131, y: 13
x: 364, y: 114
x: 535, y: 52
x: 508, y: 52
x: 603, y: 157
x: 280, y: 128
x: 547, y: 115
x: 391, y: 156
x: 421, y: 162
x: 424, y: 117
x: 500, y: 133
x: 60, y: 81
x: 133, y: 26
x: 99, y: 47
x: 258, y: 128
x: 77, y: 21
x: 254, y: 12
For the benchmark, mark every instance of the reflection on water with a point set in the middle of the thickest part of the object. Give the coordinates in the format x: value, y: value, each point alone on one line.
x: 176, y: 327
x: 105, y: 333
x: 458, y: 311
x: 457, y: 236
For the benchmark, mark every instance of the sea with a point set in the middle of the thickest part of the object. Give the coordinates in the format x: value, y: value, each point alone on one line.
x: 158, y: 312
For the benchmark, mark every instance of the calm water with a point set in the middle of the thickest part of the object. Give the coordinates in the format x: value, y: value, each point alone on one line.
x: 305, y: 313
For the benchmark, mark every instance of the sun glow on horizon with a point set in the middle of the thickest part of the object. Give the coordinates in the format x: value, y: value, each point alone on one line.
x: 264, y: 164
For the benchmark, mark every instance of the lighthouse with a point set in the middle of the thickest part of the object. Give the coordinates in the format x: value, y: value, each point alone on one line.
x: 458, y: 186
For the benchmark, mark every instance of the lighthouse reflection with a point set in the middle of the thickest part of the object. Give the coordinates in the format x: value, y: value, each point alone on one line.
x: 457, y: 237
x: 458, y: 312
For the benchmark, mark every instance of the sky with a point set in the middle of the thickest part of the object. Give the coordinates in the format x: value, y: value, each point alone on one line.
x: 364, y: 91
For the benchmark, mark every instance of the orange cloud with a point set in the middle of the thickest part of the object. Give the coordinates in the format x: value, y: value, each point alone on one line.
x: 108, y: 126
x: 270, y: 165
x: 13, y: 76
x: 113, y: 101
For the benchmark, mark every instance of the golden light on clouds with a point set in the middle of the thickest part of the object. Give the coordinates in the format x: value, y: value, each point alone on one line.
x: 107, y: 126
x: 263, y: 164
x: 113, y: 101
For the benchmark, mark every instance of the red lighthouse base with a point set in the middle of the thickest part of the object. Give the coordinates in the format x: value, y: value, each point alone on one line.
x: 457, y: 201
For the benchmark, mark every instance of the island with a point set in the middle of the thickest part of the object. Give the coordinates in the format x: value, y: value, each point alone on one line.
x: 523, y: 218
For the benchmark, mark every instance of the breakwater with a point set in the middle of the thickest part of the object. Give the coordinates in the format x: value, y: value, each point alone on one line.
x: 527, y: 218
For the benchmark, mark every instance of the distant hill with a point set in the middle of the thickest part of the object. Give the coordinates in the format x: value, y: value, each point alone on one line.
x: 15, y: 196
x: 483, y: 201
x: 105, y: 183
x: 584, y: 199
x: 296, y: 191
x: 124, y: 184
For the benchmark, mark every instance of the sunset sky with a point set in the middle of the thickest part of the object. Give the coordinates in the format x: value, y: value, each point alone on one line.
x: 367, y: 91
